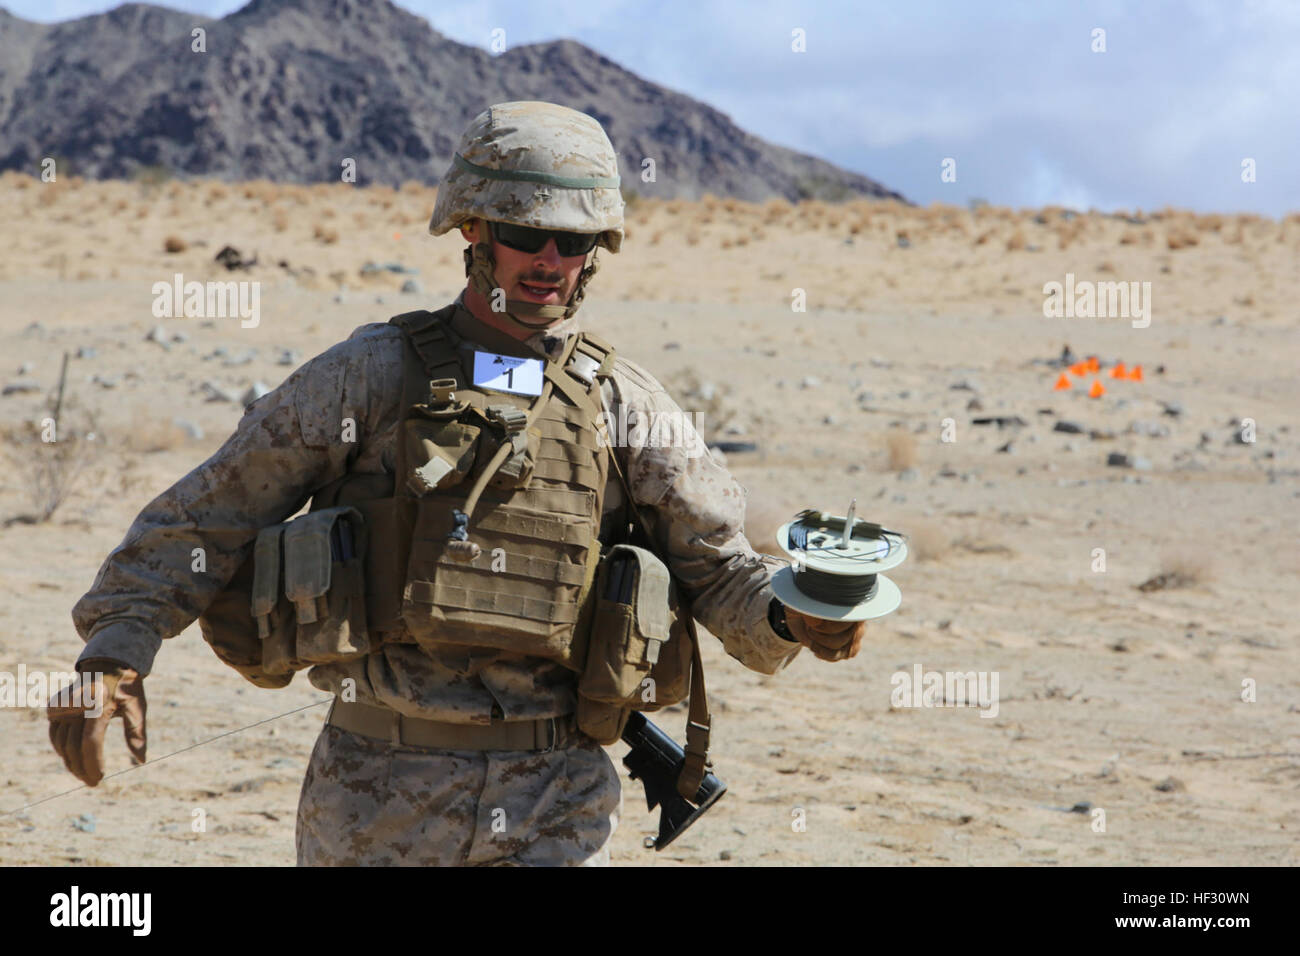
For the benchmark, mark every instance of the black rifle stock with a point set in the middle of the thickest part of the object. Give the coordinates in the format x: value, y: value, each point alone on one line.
x: 656, y: 760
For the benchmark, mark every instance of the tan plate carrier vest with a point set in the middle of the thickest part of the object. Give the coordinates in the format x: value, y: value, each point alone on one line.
x: 375, y: 560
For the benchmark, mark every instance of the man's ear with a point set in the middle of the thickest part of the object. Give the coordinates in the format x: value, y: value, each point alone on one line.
x: 469, y: 229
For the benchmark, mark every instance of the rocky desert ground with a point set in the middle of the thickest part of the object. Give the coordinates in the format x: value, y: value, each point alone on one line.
x: 1125, y: 564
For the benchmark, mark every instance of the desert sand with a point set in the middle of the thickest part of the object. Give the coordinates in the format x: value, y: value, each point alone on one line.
x: 1112, y: 697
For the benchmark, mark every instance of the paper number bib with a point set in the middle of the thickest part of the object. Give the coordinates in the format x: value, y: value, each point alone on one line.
x: 507, y: 373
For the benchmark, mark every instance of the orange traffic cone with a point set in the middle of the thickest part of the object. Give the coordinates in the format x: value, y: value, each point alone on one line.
x: 1135, y: 374
x: 1062, y: 383
x: 1079, y: 368
x: 1097, y: 391
x: 1118, y: 371
x: 1093, y: 364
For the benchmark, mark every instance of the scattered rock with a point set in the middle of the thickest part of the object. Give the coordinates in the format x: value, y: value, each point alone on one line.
x: 706, y: 391
x: 85, y: 823
x: 904, y: 242
x: 175, y: 244
x: 86, y: 352
x: 1083, y: 806
x: 734, y: 446
x: 672, y: 346
x: 974, y: 405
x: 908, y: 474
x: 828, y: 420
x: 412, y: 287
x: 726, y: 854
x: 288, y: 357
x: 216, y: 393
x: 254, y: 392
x: 29, y: 367
x: 1150, y: 429
x: 1118, y: 459
x: 189, y: 428
x: 963, y: 386
x: 231, y: 258
x: 1002, y: 421
x: 1172, y: 409
x: 370, y: 268
x: 1070, y: 428
x: 1101, y: 434
x: 1171, y: 785
x: 158, y: 335
x: 180, y: 338
x: 234, y: 361
x: 104, y: 381
x: 810, y: 381
x: 338, y: 296
x: 1005, y: 449
x: 35, y: 328
x: 905, y: 393
x: 20, y: 388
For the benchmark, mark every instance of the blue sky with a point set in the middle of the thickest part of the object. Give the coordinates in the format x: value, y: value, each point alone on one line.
x: 1011, y: 90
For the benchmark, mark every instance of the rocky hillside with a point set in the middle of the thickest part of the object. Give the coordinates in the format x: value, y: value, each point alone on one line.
x: 287, y: 89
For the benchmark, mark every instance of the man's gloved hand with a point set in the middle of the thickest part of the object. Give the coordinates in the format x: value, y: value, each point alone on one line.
x: 79, y: 738
x: 829, y: 640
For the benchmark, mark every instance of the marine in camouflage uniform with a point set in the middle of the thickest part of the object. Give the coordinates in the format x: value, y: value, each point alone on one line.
x: 370, y: 798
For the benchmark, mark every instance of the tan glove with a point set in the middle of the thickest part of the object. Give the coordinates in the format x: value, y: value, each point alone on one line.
x: 829, y: 640
x: 79, y: 738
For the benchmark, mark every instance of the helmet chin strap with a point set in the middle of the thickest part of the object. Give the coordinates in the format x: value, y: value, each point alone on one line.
x: 479, y: 268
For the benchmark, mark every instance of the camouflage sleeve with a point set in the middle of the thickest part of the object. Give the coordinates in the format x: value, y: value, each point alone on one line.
x: 699, y: 514
x: 187, y: 543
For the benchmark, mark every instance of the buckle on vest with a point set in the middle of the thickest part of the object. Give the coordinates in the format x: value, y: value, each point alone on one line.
x: 442, y: 391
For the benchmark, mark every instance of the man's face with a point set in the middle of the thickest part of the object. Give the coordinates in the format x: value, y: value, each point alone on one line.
x: 544, y: 277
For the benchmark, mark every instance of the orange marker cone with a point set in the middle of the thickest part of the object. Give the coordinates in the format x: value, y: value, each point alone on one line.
x: 1079, y: 368
x: 1135, y: 374
x: 1093, y: 364
x: 1097, y: 390
x: 1062, y: 383
x: 1118, y: 371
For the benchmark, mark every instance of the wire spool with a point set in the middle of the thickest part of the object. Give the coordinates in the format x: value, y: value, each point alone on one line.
x: 838, y: 576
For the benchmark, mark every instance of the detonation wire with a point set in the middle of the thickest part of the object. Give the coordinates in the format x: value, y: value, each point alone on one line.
x: 148, y: 763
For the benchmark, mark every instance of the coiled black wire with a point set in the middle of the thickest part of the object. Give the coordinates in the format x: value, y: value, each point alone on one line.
x: 844, y: 590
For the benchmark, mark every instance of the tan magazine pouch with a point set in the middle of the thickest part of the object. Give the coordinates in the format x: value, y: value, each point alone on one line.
x: 308, y: 595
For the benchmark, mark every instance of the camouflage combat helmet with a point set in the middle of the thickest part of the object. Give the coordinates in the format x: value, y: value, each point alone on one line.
x: 533, y: 164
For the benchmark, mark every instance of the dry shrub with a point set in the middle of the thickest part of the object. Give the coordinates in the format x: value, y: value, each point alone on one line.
x: 901, y: 447
x: 1128, y: 238
x: 926, y: 540
x: 1178, y: 569
x: 175, y: 244
x: 120, y: 205
x: 1180, y: 237
x: 654, y: 239
x: 280, y: 221
x: 325, y: 234
x: 1016, y: 242
x: 983, y: 237
x: 217, y: 193
x: 48, y: 472
x: 693, y: 238
x: 149, y: 433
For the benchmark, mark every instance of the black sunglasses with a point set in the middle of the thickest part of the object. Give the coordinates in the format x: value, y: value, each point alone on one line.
x: 527, y: 239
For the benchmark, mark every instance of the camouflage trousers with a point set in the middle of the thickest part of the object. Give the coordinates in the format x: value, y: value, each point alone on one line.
x: 366, y: 802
